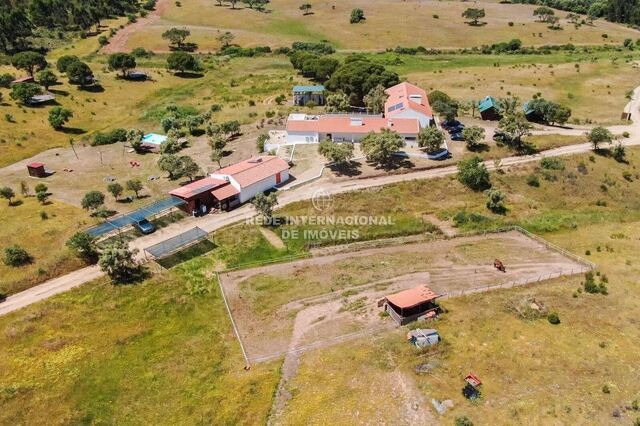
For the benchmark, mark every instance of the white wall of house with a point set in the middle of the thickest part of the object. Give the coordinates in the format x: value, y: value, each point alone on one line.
x: 302, y: 137
x: 228, y: 178
x: 424, y: 120
x: 251, y: 191
x: 409, y: 138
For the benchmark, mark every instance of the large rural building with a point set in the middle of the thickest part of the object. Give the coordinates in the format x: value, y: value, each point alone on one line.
x: 231, y: 186
x: 407, y: 110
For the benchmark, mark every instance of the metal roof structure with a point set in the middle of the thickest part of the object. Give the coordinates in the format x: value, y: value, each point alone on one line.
x: 486, y: 103
x: 308, y: 89
x: 118, y: 222
x: 174, y: 244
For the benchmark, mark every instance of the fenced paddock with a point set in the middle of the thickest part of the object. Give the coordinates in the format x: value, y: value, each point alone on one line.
x: 305, y: 304
x: 174, y: 244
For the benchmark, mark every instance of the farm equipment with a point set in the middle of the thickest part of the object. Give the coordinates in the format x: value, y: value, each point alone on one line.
x: 499, y: 266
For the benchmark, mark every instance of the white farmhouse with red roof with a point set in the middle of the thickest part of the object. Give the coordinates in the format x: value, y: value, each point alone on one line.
x: 233, y: 185
x: 407, y: 110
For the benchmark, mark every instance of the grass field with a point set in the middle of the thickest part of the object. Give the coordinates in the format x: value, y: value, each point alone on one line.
x: 533, y: 372
x: 44, y: 239
x: 161, y: 352
x: 389, y: 23
x: 114, y: 354
x: 132, y: 104
x: 578, y: 81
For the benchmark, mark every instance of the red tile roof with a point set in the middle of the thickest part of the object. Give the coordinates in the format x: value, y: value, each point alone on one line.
x: 343, y: 124
x: 401, y: 94
x: 412, y: 297
x: 224, y: 192
x: 198, y: 187
x: 35, y: 165
x: 254, y: 169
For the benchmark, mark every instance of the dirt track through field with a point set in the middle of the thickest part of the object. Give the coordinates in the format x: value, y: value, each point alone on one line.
x: 118, y: 43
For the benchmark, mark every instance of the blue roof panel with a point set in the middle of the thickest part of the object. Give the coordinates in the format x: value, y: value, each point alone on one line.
x: 317, y: 88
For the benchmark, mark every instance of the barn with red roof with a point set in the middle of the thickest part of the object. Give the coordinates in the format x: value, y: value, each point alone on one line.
x: 233, y: 185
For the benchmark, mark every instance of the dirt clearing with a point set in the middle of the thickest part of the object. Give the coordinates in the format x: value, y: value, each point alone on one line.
x: 314, y: 302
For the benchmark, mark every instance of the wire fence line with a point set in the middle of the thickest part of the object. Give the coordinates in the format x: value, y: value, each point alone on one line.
x: 386, y: 327
x: 325, y: 342
x: 233, y: 323
x: 586, y: 266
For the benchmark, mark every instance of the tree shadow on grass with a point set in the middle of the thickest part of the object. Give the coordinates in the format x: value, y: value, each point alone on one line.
x: 94, y: 88
x: 184, y: 47
x: 479, y: 147
x: 603, y: 152
x: 350, y: 169
x: 187, y: 74
x: 16, y: 203
x: 73, y: 131
x: 58, y: 92
x: 394, y: 163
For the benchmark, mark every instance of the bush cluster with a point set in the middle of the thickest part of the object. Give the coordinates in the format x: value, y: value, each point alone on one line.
x: 115, y: 135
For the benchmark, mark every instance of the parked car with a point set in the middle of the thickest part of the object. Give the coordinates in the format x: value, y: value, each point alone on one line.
x: 457, y: 136
x: 145, y: 226
x: 447, y: 124
x: 456, y: 129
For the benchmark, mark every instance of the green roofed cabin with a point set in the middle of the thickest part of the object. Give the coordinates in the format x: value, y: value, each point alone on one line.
x: 489, y: 109
x: 302, y: 95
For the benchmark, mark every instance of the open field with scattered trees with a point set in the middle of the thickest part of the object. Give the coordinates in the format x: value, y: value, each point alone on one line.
x: 571, y: 207
x: 387, y: 24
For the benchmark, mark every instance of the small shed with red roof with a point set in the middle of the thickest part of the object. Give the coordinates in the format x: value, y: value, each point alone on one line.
x: 412, y: 305
x: 36, y: 169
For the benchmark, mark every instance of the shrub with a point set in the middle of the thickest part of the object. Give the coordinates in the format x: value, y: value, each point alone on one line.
x: 605, y: 389
x: 260, y: 142
x: 495, y: 201
x: 115, y: 135
x: 549, y: 163
x: 553, y: 318
x: 16, y: 256
x: 532, y: 180
x: 357, y: 15
x: 590, y: 285
x: 463, y: 421
x: 474, y: 174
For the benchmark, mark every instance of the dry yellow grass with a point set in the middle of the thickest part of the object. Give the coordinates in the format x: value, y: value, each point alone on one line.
x: 44, y: 239
x: 533, y: 372
x: 389, y: 23
x: 593, y: 90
